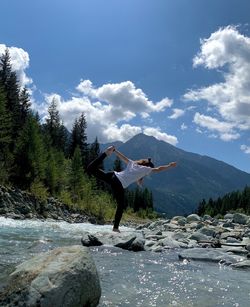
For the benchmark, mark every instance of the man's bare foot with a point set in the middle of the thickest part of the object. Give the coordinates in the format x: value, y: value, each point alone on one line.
x: 116, y: 229
x: 109, y: 150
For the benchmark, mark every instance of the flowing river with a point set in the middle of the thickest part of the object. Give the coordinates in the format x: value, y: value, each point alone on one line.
x: 128, y: 278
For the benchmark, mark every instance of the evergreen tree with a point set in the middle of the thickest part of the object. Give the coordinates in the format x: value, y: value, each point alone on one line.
x: 5, y: 68
x: 25, y: 104
x: 76, y: 176
x: 9, y: 82
x: 30, y: 155
x: 56, y: 172
x: 54, y: 128
x: 5, y: 139
x: 79, y: 138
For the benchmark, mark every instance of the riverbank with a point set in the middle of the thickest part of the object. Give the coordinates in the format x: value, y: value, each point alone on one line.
x: 20, y: 205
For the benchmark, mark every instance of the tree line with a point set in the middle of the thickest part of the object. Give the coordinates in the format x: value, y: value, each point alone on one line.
x: 45, y: 158
x: 234, y: 201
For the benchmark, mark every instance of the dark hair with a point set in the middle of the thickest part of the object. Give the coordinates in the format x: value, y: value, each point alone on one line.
x: 145, y: 162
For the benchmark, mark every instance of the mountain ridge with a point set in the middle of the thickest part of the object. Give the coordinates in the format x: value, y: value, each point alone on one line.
x: 179, y: 190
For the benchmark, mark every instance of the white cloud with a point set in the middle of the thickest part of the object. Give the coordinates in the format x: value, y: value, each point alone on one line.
x: 177, y: 113
x: 229, y: 51
x: 19, y: 62
x: 224, y: 129
x: 107, y: 108
x: 123, y: 133
x: 245, y: 149
x: 124, y: 96
x: 162, y: 136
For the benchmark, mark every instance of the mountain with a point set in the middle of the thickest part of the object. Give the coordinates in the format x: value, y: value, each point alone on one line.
x: 179, y: 190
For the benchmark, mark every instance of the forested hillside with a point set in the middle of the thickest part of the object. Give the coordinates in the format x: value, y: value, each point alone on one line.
x: 234, y: 201
x: 44, y: 158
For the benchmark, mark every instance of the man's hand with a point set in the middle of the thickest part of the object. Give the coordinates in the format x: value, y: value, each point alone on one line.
x: 109, y: 150
x: 172, y: 164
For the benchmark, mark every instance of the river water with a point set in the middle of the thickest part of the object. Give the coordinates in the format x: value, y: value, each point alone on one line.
x: 128, y: 278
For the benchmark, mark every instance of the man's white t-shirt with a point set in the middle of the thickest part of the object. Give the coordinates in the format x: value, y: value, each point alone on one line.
x: 132, y: 173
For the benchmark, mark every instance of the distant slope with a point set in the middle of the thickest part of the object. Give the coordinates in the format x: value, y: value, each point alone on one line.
x: 179, y: 190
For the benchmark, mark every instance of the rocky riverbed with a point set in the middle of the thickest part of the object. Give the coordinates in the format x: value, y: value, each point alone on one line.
x: 196, y: 238
x: 151, y: 277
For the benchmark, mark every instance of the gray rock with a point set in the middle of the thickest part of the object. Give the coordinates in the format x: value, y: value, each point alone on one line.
x: 232, y: 234
x: 210, y: 232
x: 232, y: 240
x: 209, y: 254
x: 235, y: 250
x: 228, y: 216
x: 240, y: 218
x: 149, y: 243
x: 193, y: 218
x: 179, y: 220
x: 170, y: 226
x: 170, y: 243
x: 228, y: 225
x: 138, y: 245
x: 248, y: 247
x: 245, y: 264
x: 156, y: 249
x: 156, y: 224
x: 65, y: 276
x: 207, y: 217
x: 90, y: 240
x: 198, y: 236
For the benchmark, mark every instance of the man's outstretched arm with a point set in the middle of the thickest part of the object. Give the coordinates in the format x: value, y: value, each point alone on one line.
x: 163, y: 167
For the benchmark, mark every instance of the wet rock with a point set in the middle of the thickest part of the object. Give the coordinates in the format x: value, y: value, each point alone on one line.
x: 137, y: 245
x: 65, y: 276
x: 198, y: 236
x: 228, y: 225
x: 209, y: 254
x: 232, y: 240
x: 180, y: 220
x: 228, y: 216
x: 193, y: 218
x: 156, y: 249
x: 240, y: 218
x: 245, y: 264
x: 207, y: 217
x: 232, y: 234
x: 210, y: 232
x: 90, y: 240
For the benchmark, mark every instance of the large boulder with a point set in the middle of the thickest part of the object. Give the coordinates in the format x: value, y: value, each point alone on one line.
x: 65, y: 276
x: 129, y: 241
x: 240, y: 218
x: 193, y: 218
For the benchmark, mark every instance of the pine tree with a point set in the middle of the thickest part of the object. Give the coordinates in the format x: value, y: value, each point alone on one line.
x: 54, y: 128
x: 5, y: 68
x: 30, y: 155
x: 5, y: 139
x: 25, y: 104
x: 79, y: 138
x: 76, y: 176
x: 10, y: 84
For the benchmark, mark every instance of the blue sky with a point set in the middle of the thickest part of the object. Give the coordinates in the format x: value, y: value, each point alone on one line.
x: 178, y: 70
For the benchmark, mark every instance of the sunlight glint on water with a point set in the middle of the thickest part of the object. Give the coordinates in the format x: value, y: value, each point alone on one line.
x: 128, y: 278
